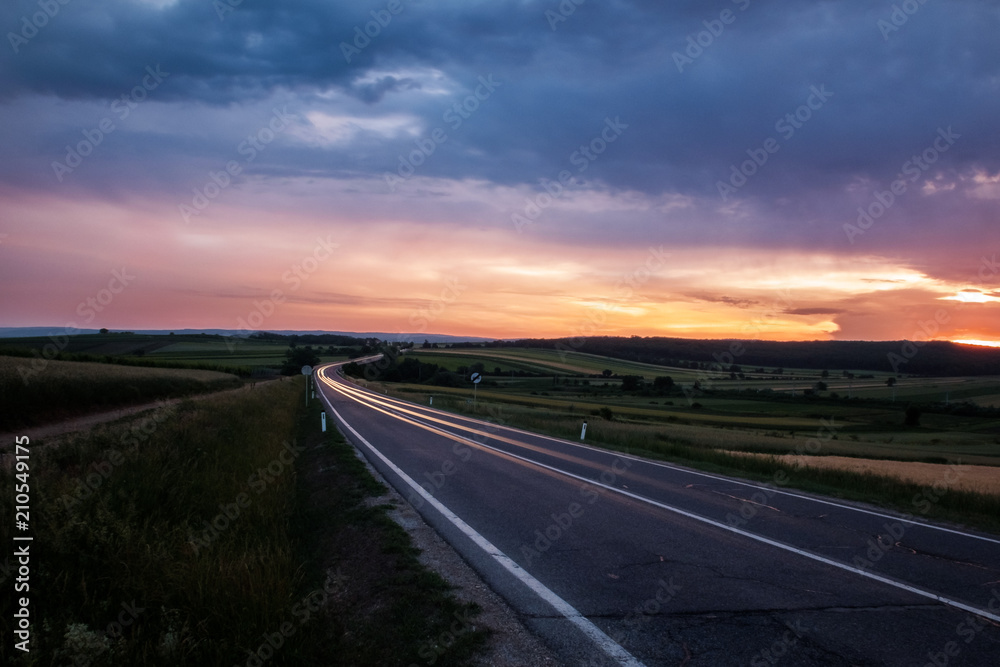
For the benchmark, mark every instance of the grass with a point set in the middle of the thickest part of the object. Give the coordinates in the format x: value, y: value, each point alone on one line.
x: 395, y: 612
x: 983, y: 479
x: 240, y: 356
x: 114, y: 518
x: 35, y: 393
x: 224, y: 364
x: 556, y: 362
x: 204, y: 530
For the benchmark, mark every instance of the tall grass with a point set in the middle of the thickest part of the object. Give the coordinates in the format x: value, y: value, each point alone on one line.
x: 114, y: 513
x: 206, y: 532
x: 33, y: 394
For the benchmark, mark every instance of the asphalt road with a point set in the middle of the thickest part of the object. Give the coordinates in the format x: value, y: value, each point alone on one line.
x: 615, y: 560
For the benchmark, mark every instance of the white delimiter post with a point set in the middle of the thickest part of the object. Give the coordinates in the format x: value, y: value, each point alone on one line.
x: 583, y: 431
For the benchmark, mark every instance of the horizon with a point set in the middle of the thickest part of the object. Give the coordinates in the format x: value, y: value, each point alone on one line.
x: 6, y: 332
x: 505, y: 171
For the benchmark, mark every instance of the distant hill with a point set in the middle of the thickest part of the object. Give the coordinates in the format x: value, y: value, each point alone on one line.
x: 417, y: 338
x: 939, y: 358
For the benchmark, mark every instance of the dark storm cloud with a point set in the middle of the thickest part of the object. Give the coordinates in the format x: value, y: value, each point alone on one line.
x: 885, y: 97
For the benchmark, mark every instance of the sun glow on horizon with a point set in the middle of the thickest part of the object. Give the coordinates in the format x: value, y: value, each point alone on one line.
x: 983, y: 343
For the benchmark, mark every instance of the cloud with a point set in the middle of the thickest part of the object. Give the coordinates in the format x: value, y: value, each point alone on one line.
x: 814, y: 311
x: 832, y: 160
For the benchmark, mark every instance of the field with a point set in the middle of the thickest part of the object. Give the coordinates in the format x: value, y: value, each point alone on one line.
x: 249, y: 357
x: 242, y: 353
x: 35, y: 392
x: 576, y: 369
x: 981, y: 479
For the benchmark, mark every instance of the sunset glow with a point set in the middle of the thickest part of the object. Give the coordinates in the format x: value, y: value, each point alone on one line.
x: 985, y: 343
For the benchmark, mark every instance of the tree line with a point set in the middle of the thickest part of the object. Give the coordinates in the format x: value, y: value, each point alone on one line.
x: 901, y: 357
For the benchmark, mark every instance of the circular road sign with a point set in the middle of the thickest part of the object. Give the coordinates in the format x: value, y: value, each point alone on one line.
x: 307, y: 370
x: 476, y: 378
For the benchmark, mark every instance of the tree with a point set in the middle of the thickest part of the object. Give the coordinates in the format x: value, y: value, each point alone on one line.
x: 296, y: 358
x: 912, y: 416
x: 631, y: 382
x: 663, y: 383
x: 104, y: 331
x: 607, y: 372
x: 825, y: 374
x: 891, y: 382
x: 820, y: 386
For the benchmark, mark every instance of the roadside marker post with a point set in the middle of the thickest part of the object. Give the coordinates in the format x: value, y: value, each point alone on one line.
x: 323, y: 420
x: 583, y: 431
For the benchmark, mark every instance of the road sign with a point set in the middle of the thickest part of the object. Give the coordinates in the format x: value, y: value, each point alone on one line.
x: 476, y: 378
x: 307, y: 371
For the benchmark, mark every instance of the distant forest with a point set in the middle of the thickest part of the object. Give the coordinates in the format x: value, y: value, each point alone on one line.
x: 901, y: 357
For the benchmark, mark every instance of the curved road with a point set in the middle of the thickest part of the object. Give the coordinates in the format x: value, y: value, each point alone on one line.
x: 616, y: 560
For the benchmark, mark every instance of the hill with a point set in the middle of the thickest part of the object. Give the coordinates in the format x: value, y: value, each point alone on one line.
x: 940, y: 358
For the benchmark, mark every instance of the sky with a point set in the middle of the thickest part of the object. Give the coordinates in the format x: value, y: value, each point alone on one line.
x: 793, y: 170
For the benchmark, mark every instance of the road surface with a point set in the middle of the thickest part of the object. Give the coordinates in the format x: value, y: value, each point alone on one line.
x: 615, y: 560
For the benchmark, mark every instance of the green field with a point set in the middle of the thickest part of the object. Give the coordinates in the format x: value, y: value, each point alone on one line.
x: 545, y: 361
x: 34, y: 392
x: 248, y: 356
x: 756, y: 415
x: 242, y: 353
x: 794, y: 382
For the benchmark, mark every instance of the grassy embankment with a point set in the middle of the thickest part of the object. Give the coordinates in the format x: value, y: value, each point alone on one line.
x: 226, y: 531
